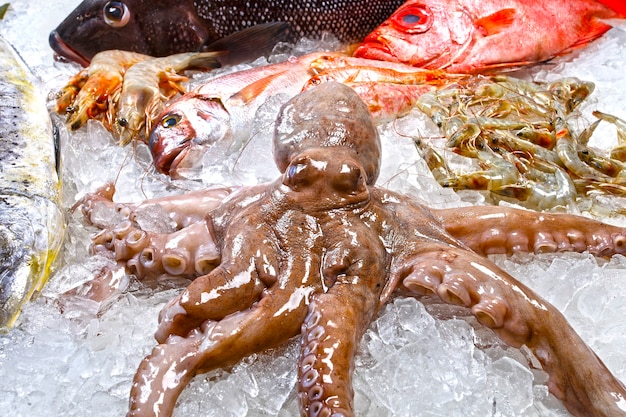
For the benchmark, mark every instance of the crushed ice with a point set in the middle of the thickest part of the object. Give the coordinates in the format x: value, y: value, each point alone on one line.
x: 67, y: 357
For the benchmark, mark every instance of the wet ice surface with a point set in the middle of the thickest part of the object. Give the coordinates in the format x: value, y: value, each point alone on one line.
x: 415, y: 360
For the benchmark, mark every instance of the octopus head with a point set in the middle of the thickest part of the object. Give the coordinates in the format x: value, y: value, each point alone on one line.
x: 330, y: 115
x: 327, y: 178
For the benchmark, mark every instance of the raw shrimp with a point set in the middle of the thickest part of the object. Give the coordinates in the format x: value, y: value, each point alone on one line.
x: 149, y: 84
x: 136, y: 83
x: 619, y: 151
x: 89, y: 94
x: 508, y: 123
x: 500, y: 176
x: 567, y: 150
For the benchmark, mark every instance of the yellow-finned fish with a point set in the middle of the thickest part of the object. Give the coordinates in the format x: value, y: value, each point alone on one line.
x: 32, y: 223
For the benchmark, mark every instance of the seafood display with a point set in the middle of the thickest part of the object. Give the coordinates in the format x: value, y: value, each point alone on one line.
x: 522, y: 135
x: 477, y: 35
x: 31, y: 220
x: 222, y: 109
x: 98, y: 25
x: 128, y: 91
x: 148, y: 240
x: 319, y: 251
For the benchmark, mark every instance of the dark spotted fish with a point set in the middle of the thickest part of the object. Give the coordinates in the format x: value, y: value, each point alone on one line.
x: 161, y: 28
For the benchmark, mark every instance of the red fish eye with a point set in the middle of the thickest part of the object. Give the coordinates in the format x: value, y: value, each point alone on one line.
x: 413, y: 19
x: 116, y: 14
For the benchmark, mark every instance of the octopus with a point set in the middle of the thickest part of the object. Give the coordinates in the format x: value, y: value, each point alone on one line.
x: 316, y: 253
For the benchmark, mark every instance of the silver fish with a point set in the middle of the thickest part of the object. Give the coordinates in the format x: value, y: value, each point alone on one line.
x: 32, y: 223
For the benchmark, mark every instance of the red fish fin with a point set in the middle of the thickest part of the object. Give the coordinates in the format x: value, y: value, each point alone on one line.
x: 593, y: 31
x: 253, y: 90
x: 496, y: 22
x: 618, y: 6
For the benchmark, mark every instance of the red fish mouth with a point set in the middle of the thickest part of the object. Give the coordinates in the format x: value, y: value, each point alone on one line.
x: 167, y: 163
x: 373, y: 48
x: 166, y: 156
x: 62, y: 50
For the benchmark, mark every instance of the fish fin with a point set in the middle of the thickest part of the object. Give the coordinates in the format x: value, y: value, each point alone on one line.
x: 3, y: 10
x: 496, y: 22
x: 253, y: 90
x: 593, y: 31
x: 618, y: 6
x: 250, y: 43
x: 207, y: 60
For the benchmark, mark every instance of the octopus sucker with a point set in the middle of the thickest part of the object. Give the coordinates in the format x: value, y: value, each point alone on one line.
x: 545, y: 232
x: 318, y: 251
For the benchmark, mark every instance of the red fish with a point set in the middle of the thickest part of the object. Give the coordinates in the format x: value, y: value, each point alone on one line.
x: 476, y: 35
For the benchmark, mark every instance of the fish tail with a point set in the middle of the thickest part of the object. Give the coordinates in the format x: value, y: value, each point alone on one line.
x: 618, y: 6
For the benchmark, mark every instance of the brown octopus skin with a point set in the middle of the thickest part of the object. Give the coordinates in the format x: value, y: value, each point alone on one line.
x: 320, y: 250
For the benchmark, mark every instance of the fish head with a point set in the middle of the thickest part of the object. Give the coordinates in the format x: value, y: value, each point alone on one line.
x: 421, y: 33
x: 191, y: 122
x: 155, y: 28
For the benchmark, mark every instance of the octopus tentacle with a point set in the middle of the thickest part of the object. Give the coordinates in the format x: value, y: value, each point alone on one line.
x: 489, y: 229
x: 330, y: 337
x: 183, y: 209
x: 333, y: 328
x: 519, y: 317
x: 164, y: 373
x: 234, y: 285
x: 210, y: 297
x: 150, y: 254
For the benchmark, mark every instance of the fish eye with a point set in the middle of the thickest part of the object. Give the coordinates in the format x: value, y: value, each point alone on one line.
x: 116, y: 14
x: 169, y: 121
x: 413, y: 19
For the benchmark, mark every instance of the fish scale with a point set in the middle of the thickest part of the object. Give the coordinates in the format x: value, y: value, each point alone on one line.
x: 31, y: 220
x: 309, y: 17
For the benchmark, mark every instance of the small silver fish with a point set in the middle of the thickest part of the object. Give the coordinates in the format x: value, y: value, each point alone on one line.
x: 32, y: 223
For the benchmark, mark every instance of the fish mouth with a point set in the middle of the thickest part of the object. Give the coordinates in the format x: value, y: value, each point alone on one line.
x: 175, y: 161
x: 373, y: 48
x: 165, y: 157
x: 63, y: 51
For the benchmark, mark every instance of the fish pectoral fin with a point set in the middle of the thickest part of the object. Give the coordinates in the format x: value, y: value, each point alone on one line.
x: 250, y: 43
x: 253, y: 90
x: 593, y: 30
x: 496, y: 22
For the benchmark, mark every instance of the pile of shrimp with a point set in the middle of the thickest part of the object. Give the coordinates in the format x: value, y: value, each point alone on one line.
x: 520, y: 135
